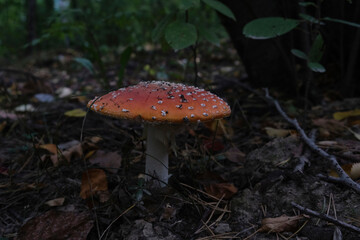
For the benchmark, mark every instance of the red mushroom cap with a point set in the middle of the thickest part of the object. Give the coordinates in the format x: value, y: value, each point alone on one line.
x: 159, y: 101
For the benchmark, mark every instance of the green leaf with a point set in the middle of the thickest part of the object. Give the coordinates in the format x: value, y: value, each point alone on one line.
x: 310, y: 19
x: 220, y: 7
x: 270, y: 27
x: 210, y: 35
x: 299, y: 54
x: 85, y: 63
x: 342, y: 21
x: 305, y: 4
x: 180, y: 35
x: 317, y: 49
x: 316, y: 67
x: 158, y: 31
x: 124, y: 59
x: 186, y: 4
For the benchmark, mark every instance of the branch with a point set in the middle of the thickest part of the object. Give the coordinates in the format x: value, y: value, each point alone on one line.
x: 344, y: 178
x: 326, y: 217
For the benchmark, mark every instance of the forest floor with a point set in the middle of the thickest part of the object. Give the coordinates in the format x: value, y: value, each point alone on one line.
x: 237, y: 178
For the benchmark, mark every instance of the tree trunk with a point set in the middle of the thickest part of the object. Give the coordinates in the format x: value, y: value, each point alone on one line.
x: 270, y: 62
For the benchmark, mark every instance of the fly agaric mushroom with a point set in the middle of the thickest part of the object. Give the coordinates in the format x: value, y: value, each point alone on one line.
x: 161, y: 106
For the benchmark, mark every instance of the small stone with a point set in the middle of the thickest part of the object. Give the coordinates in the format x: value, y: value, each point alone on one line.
x: 222, y: 228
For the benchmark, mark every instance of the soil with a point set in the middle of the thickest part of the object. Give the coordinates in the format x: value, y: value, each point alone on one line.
x: 227, y: 177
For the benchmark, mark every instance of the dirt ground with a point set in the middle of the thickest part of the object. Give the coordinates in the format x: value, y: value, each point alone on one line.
x: 233, y: 179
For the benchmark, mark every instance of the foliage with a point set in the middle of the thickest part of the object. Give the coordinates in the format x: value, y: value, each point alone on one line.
x: 112, y: 23
x: 271, y: 27
x: 189, y: 23
x: 97, y: 28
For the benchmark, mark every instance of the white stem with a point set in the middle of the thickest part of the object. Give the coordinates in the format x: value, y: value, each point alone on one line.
x: 157, y: 154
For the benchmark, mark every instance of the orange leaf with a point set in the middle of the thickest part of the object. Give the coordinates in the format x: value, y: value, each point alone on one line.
x: 93, y: 181
x: 219, y: 190
x: 52, y: 148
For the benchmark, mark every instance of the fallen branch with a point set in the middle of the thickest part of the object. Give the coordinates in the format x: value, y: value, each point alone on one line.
x: 343, y: 177
x: 304, y: 158
x: 326, y: 217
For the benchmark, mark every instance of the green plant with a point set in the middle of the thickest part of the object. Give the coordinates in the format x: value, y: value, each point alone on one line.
x: 271, y: 27
x: 190, y: 21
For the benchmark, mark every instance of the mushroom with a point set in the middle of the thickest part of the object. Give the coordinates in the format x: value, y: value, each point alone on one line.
x: 161, y: 106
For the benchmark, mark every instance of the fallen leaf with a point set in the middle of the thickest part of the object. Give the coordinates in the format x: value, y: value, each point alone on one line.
x: 2, y: 125
x: 78, y: 112
x: 93, y: 181
x: 168, y: 213
x: 90, y: 154
x: 213, y: 145
x: 52, y: 148
x: 221, y: 190
x: 342, y: 115
x: 351, y: 169
x: 72, y: 151
x: 55, y: 202
x: 273, y: 132
x: 64, y: 151
x: 329, y: 127
x: 235, y: 155
x: 280, y: 224
x: 64, y: 92
x: 57, y: 225
x: 109, y: 160
x: 356, y: 135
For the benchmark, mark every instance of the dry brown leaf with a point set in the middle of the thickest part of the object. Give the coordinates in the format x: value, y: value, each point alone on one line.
x: 55, y: 202
x: 351, y: 169
x: 329, y: 127
x: 219, y: 190
x: 168, y: 213
x: 109, y: 160
x: 74, y: 151
x: 93, y: 181
x: 280, y: 224
x: 56, y: 225
x: 2, y: 125
x: 274, y: 132
x: 65, y: 151
x: 235, y: 155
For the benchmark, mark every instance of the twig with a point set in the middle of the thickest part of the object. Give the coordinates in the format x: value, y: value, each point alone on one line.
x: 304, y: 158
x: 108, y: 227
x: 326, y: 217
x: 211, y: 214
x: 343, y: 177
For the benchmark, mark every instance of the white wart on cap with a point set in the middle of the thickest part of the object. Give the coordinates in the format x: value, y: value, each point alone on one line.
x: 159, y: 101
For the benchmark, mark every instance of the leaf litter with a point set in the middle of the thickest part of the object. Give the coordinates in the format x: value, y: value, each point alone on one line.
x: 49, y: 176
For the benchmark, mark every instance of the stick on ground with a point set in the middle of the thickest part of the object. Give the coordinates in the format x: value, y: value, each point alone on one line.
x: 343, y: 177
x: 326, y: 217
